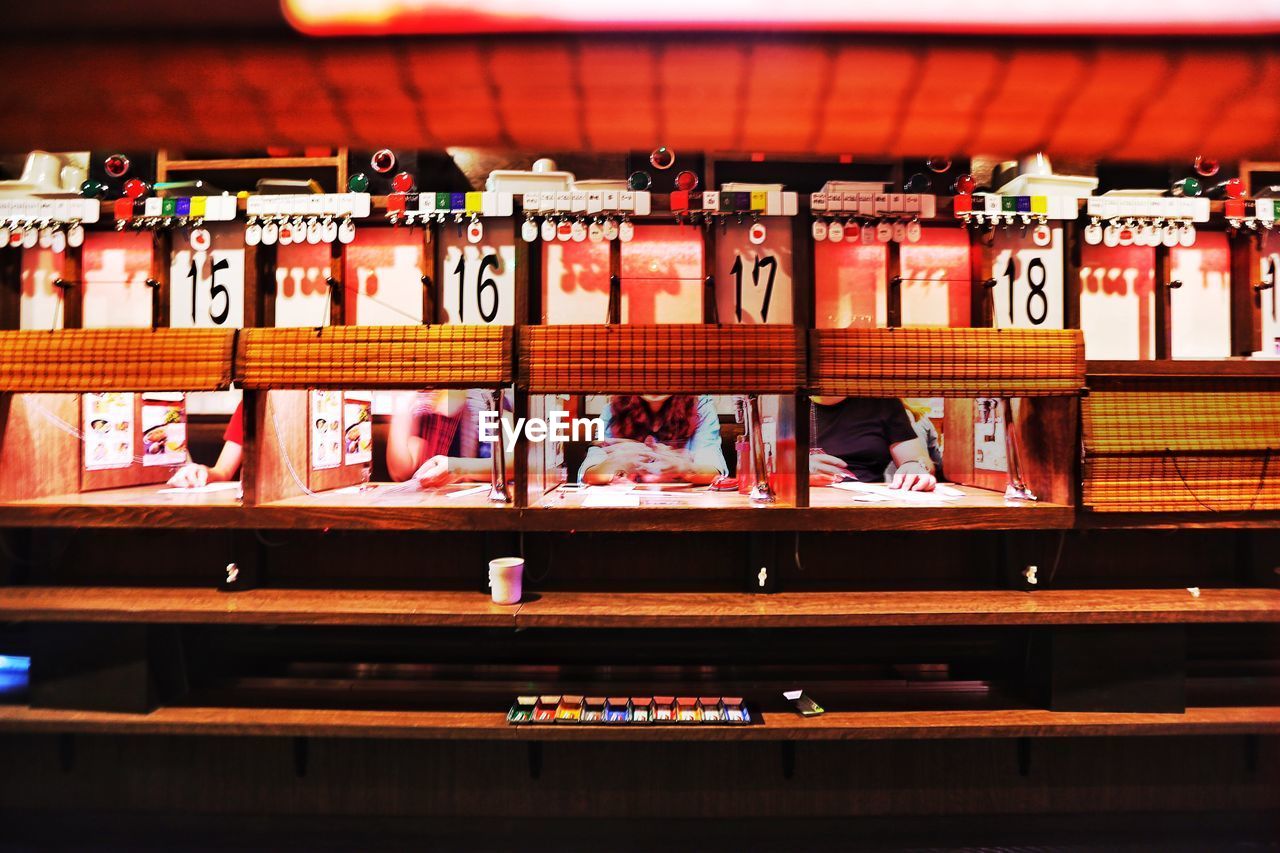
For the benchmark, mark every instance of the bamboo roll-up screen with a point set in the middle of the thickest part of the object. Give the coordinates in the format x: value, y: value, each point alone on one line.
x: 675, y: 359
x: 350, y: 357
x: 946, y: 362
x: 89, y: 360
x: 1166, y: 451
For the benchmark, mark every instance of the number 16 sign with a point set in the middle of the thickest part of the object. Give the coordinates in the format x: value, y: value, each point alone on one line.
x: 1027, y: 269
x: 477, y: 281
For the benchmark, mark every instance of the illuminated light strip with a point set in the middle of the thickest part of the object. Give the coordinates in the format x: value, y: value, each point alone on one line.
x: 84, y: 210
x: 870, y: 203
x: 1084, y: 17
x: 994, y: 204
x: 309, y: 204
x: 579, y: 201
x: 214, y: 208
x: 1111, y: 207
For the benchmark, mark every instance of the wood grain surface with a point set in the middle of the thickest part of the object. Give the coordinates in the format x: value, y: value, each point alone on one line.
x: 479, y: 725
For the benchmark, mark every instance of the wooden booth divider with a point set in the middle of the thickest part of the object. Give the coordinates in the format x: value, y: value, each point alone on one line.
x: 1182, y: 445
x: 92, y: 360
x: 676, y: 358
x: 346, y: 357
x: 946, y: 362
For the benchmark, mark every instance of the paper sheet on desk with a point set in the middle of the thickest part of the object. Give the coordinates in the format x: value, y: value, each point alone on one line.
x: 879, y: 493
x: 201, y: 490
x: 610, y: 498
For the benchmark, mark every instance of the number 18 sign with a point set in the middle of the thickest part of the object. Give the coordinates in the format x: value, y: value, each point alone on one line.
x: 477, y: 282
x: 1028, y: 272
x: 206, y: 279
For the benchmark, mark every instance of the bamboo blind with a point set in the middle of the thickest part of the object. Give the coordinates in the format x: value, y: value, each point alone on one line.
x: 675, y: 359
x: 90, y: 360
x: 1168, y: 451
x: 945, y: 362
x: 350, y: 357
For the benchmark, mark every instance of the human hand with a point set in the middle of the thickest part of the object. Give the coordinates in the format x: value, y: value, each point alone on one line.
x: 190, y: 476
x: 827, y: 470
x: 436, y: 471
x: 913, y: 477
x: 667, y: 465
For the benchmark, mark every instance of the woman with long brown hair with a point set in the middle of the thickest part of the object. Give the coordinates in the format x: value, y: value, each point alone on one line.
x: 657, y: 438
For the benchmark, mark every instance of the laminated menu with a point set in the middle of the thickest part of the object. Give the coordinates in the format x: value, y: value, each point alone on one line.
x: 108, y: 431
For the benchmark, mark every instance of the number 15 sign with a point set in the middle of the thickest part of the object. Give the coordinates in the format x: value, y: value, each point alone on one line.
x: 1028, y: 272
x: 206, y: 279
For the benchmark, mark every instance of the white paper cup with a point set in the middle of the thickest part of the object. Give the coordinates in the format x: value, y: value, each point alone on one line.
x: 506, y: 579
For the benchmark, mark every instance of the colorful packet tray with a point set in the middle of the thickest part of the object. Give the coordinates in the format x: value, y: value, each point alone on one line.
x: 545, y: 709
x: 642, y: 709
x: 522, y: 710
x: 735, y: 710
x: 712, y: 711
x: 617, y: 710
x: 570, y: 710
x: 593, y: 710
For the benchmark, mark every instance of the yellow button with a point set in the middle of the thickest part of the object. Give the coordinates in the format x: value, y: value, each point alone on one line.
x: 759, y: 200
x: 1039, y: 204
x: 198, y: 203
x: 475, y: 202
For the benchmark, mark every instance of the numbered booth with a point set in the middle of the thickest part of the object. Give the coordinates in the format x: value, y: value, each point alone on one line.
x: 1009, y: 436
x: 659, y: 440
x: 622, y: 257
x: 1154, y: 279
x: 98, y: 417
x: 310, y: 402
x: 886, y: 259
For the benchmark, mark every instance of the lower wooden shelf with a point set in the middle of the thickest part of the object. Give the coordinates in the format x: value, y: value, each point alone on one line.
x: 479, y: 725
x: 452, y: 608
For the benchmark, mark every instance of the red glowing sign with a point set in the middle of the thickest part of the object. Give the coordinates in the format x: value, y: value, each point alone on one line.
x: 385, y: 17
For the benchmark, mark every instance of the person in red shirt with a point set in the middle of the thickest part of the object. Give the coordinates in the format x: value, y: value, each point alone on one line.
x: 193, y: 475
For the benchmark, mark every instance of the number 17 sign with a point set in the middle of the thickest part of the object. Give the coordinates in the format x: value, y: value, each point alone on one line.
x: 753, y: 271
x: 1028, y: 272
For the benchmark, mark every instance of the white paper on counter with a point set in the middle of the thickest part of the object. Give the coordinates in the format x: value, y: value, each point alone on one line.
x: 879, y: 492
x: 208, y: 488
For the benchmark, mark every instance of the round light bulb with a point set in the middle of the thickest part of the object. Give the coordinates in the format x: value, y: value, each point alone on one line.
x: 686, y: 181
x: 135, y: 188
x: 1205, y: 167
x: 402, y: 182
x: 383, y: 160
x: 117, y: 165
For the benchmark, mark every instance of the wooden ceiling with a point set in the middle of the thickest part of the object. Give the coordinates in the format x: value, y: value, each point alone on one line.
x: 244, y: 81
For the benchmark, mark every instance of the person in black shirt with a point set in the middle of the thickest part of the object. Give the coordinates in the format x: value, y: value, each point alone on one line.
x: 857, y: 437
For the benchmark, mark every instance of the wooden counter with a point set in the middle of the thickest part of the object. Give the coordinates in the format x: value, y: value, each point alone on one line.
x: 452, y: 608
x: 777, y: 726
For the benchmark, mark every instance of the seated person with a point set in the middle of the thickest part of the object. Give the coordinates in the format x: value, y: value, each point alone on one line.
x: 194, y: 476
x: 435, y: 438
x: 927, y: 433
x: 857, y: 438
x: 657, y: 438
